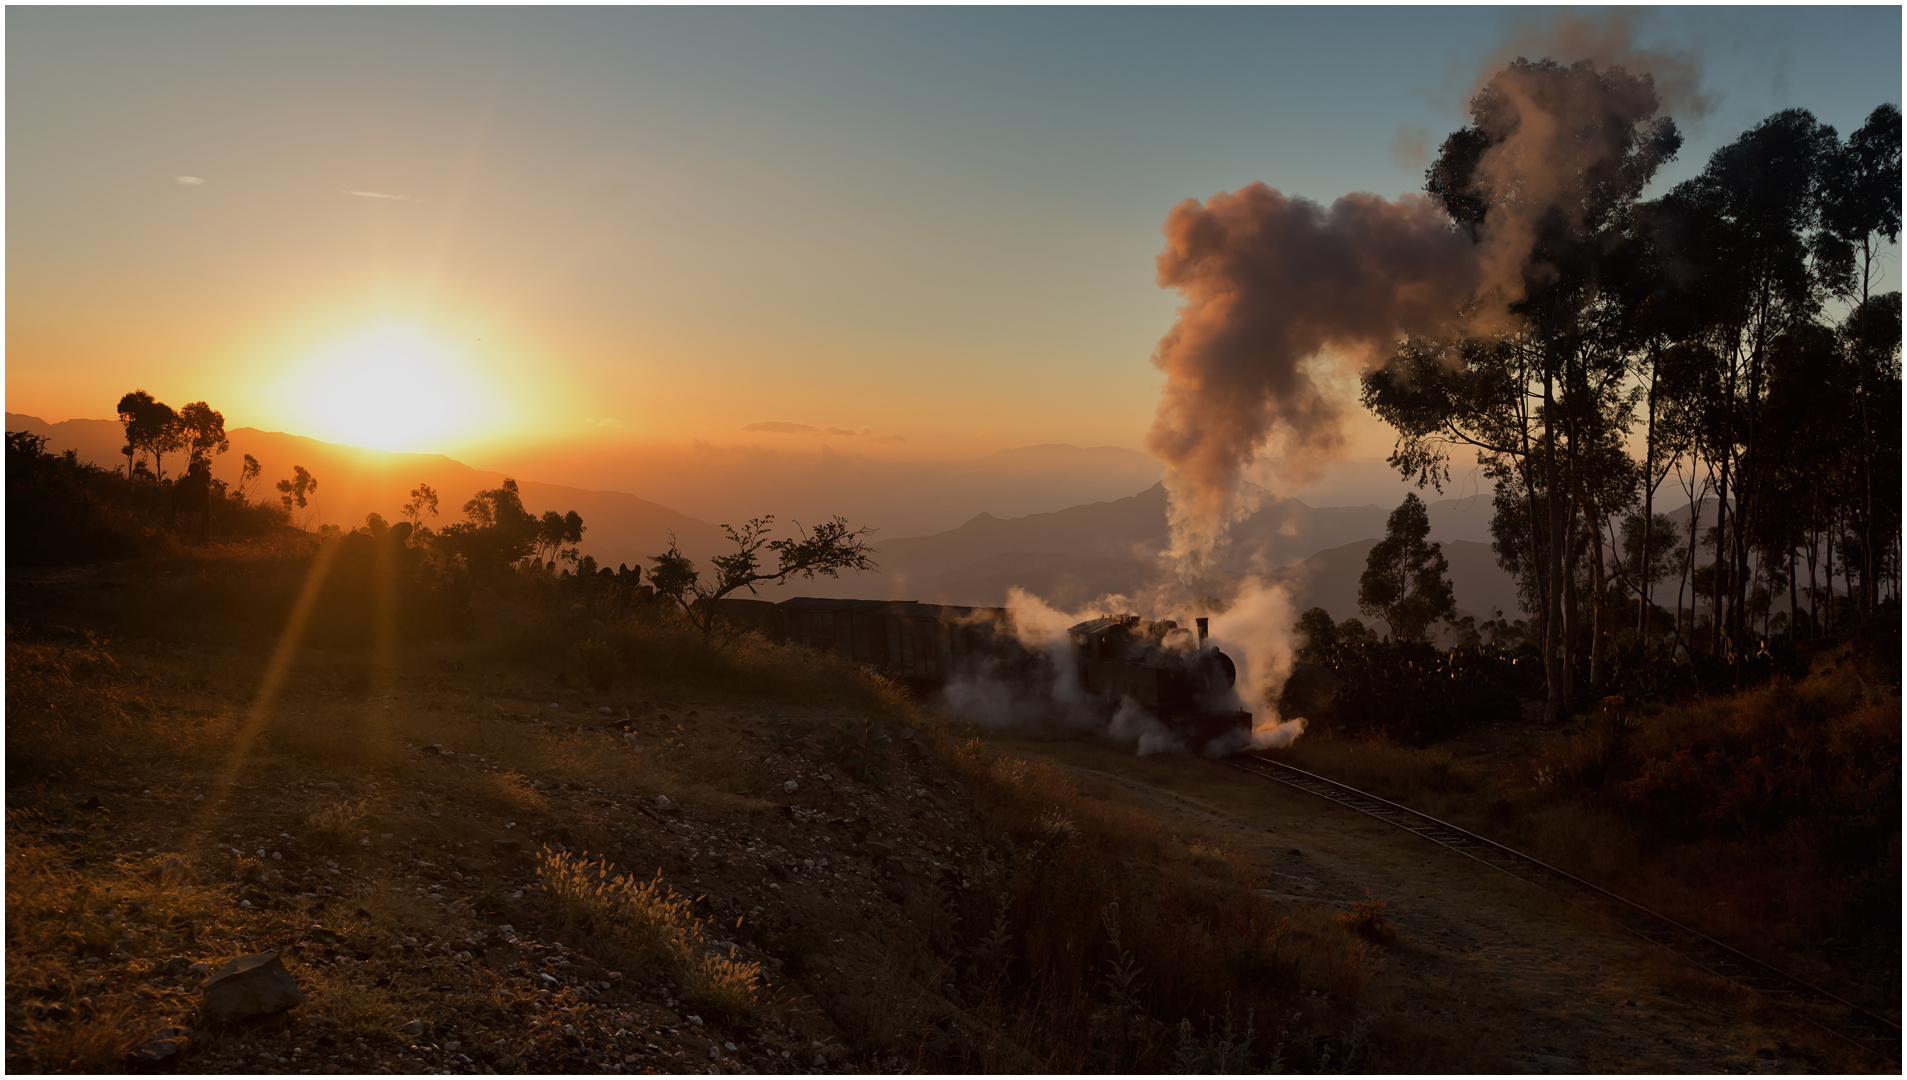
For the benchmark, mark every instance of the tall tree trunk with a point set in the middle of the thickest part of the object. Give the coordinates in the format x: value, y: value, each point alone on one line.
x: 1572, y: 616
x: 1814, y: 587
x: 1833, y: 524
x: 1688, y: 563
x: 1717, y: 586
x: 1601, y: 583
x: 1794, y: 602
x: 1870, y: 593
x: 1648, y: 512
x: 1553, y: 669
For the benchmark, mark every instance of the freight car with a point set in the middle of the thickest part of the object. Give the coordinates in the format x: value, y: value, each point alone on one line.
x: 925, y: 646
x: 1176, y: 676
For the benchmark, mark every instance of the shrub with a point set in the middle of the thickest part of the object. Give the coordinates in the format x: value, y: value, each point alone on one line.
x: 857, y: 745
x: 332, y: 826
x: 1366, y: 919
x: 1407, y: 690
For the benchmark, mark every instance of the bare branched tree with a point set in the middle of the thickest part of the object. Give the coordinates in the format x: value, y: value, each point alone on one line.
x: 831, y: 548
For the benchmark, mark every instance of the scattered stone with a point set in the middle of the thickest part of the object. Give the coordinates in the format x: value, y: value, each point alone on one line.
x: 160, y: 1052
x: 412, y: 1030
x: 662, y: 802
x: 791, y: 787
x: 177, y: 965
x: 201, y: 968
x: 252, y: 985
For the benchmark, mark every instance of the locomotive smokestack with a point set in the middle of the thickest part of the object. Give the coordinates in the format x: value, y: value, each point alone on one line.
x: 1203, y: 624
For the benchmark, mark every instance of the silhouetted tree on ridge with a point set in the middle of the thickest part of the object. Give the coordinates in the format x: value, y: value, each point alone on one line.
x: 1406, y: 578
x: 830, y: 549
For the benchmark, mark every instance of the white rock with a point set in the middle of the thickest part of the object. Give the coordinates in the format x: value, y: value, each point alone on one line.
x: 662, y: 802
x: 791, y: 787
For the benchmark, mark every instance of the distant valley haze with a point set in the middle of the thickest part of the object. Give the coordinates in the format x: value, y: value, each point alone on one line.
x: 1067, y: 524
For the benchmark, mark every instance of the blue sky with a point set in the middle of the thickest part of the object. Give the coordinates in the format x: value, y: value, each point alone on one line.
x: 666, y: 224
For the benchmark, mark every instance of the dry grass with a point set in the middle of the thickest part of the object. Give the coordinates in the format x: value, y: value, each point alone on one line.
x: 336, y: 826
x: 1793, y: 857
x: 1114, y: 935
x: 650, y: 923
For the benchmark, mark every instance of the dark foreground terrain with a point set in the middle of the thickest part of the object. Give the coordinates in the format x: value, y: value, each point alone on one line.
x: 469, y: 859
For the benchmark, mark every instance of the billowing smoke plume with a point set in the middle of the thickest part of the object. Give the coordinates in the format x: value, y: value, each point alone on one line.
x: 1271, y: 282
x: 1274, y: 284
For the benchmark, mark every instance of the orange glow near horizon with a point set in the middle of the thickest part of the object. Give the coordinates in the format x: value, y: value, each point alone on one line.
x: 393, y: 385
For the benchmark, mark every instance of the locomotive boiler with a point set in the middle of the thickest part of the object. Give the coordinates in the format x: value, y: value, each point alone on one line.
x: 1165, y: 668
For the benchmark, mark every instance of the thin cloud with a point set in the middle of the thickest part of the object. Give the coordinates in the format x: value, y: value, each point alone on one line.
x: 789, y: 427
x: 378, y: 195
x: 189, y: 181
x: 602, y: 421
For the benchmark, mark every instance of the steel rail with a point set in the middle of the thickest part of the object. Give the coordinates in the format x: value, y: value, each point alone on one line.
x: 1873, y: 1033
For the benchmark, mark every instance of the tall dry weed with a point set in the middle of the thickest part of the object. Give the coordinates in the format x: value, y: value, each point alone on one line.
x: 651, y: 922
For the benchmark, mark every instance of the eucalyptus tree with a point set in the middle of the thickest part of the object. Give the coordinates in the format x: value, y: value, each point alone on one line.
x: 1406, y: 579
x: 1860, y: 206
x: 1747, y: 227
x: 1566, y: 344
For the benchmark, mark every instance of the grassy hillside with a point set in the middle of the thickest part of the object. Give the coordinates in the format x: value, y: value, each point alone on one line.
x: 471, y: 857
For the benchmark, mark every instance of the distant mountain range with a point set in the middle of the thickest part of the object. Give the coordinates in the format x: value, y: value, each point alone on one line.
x: 897, y: 497
x: 1069, y: 557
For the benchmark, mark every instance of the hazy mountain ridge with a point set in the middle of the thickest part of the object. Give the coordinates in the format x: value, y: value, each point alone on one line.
x: 353, y: 482
x: 897, y: 497
x: 1068, y: 556
x: 1073, y: 556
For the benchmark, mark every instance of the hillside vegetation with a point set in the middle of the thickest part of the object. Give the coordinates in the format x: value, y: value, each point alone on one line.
x: 471, y: 857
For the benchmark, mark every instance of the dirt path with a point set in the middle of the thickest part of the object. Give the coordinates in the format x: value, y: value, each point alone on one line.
x: 1553, y: 987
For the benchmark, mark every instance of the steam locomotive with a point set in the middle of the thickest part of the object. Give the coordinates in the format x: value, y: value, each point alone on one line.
x: 1172, y: 672
x: 1180, y: 679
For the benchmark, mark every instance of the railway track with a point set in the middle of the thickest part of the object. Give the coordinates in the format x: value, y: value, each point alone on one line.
x: 1843, y: 1019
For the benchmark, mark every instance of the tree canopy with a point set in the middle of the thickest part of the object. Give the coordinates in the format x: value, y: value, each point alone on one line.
x: 1725, y: 335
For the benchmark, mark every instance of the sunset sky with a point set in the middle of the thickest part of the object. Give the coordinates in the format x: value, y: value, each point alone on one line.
x: 916, y: 232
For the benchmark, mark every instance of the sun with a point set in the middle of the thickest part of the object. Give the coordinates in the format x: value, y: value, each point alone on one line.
x: 391, y: 386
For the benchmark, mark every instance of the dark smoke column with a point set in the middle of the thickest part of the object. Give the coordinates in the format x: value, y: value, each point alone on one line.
x: 1271, y: 283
